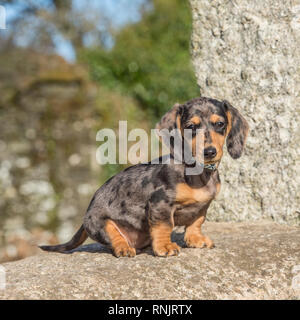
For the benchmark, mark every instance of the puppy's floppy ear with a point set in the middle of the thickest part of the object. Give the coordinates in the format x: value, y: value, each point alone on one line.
x: 171, y: 120
x: 237, y: 130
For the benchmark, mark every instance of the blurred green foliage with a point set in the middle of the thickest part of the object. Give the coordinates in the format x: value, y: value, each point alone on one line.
x: 150, y: 60
x: 110, y: 107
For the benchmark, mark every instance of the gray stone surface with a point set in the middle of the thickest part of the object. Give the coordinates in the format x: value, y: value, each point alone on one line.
x: 251, y: 261
x: 247, y: 52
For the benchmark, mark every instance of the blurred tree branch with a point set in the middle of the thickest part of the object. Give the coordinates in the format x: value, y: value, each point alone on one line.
x: 41, y: 23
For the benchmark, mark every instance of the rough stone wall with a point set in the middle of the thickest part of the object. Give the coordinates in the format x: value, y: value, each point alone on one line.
x: 247, y: 52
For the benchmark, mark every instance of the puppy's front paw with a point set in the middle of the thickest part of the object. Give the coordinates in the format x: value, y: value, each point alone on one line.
x: 124, y: 250
x: 166, y: 249
x: 198, y: 241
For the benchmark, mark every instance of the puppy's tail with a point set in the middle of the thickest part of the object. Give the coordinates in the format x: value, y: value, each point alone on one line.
x: 79, y: 237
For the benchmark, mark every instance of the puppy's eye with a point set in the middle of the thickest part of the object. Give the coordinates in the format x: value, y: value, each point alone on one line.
x: 191, y: 126
x: 219, y: 124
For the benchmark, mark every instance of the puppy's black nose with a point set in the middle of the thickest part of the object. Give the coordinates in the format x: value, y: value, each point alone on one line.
x: 210, y: 152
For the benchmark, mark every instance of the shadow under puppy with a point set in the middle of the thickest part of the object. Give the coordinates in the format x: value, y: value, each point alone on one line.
x: 142, y: 204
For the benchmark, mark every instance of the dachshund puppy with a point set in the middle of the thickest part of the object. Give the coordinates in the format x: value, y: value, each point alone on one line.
x: 141, y: 205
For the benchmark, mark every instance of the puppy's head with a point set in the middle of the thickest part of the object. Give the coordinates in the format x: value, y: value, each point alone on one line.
x: 218, y: 121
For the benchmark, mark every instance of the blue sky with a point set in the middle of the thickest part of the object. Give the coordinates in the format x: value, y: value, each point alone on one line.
x: 118, y: 12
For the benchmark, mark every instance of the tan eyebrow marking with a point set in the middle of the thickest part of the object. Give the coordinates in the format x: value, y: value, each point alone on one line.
x: 215, y: 118
x: 195, y: 120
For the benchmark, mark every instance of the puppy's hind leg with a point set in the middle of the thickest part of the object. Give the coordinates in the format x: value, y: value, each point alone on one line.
x: 119, y: 242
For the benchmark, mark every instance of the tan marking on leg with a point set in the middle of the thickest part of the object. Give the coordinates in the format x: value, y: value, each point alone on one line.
x: 194, y: 238
x: 119, y: 243
x: 161, y: 241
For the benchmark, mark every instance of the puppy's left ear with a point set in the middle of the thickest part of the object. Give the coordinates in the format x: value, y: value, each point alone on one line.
x: 172, y: 119
x: 237, y: 130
